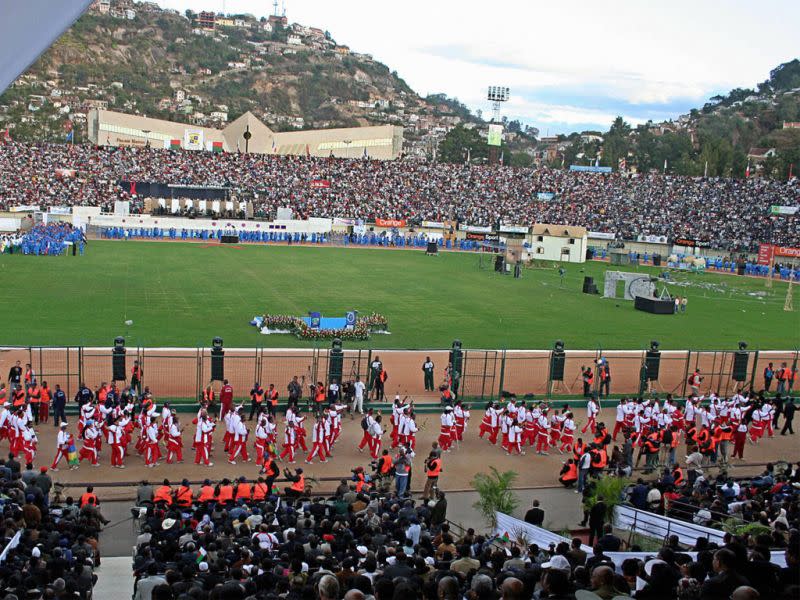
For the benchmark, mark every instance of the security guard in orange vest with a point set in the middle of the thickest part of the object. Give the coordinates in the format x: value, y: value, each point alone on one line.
x: 677, y: 475
x: 260, y: 490
x: 651, y: 445
x: 360, y: 479
x: 89, y: 493
x: 243, y: 490
x: 272, y: 398
x: 19, y: 397
x: 298, y: 486
x: 433, y: 467
x: 225, y: 492
x: 183, y: 495
x: 578, y: 449
x: 569, y: 473
x: 163, y: 494
x: 257, y: 395
x: 206, y: 492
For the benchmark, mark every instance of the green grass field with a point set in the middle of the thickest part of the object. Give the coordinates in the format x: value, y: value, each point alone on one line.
x: 183, y: 294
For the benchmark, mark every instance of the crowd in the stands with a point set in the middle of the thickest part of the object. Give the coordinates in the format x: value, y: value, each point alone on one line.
x: 49, y: 549
x: 729, y: 213
x: 360, y: 546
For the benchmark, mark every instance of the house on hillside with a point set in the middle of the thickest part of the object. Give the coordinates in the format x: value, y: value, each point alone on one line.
x: 758, y: 155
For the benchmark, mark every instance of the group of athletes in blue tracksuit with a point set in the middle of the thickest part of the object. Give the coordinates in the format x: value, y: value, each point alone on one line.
x: 53, y: 239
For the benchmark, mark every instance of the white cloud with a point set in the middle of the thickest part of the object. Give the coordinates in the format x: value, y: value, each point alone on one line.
x: 627, y: 50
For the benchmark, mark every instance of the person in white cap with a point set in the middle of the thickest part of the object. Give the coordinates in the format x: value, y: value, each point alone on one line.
x: 62, y: 446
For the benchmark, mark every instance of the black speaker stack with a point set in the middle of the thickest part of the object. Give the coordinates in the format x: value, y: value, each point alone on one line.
x: 589, y: 286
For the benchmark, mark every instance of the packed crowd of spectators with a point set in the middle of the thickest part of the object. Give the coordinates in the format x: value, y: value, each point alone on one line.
x: 770, y: 500
x: 51, y: 549
x: 732, y: 214
x: 364, y: 546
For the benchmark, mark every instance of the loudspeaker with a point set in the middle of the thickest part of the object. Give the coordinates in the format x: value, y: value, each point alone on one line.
x: 217, y: 360
x: 652, y: 363
x: 656, y: 260
x: 589, y: 253
x: 740, y: 360
x: 118, y: 359
x: 557, y: 360
x: 498, y: 263
x: 118, y: 365
x: 335, y: 360
x: 588, y: 283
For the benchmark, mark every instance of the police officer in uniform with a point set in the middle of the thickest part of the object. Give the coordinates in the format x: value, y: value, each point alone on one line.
x: 427, y: 369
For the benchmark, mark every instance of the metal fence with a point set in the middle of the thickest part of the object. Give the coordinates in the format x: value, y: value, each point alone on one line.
x: 182, y: 373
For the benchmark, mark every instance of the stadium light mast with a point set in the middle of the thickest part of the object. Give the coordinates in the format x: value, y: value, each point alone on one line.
x: 497, y: 94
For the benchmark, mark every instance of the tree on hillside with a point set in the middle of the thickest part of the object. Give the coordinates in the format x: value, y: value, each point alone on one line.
x: 453, y: 148
x: 616, y: 143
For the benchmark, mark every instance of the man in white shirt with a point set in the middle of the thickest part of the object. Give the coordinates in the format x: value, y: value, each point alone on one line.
x: 62, y: 446
x: 358, y: 396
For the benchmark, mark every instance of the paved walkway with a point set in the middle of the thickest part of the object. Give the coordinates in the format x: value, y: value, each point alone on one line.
x: 114, y: 579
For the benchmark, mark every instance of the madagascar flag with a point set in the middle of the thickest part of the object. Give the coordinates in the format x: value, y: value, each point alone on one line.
x: 216, y: 146
x: 174, y: 144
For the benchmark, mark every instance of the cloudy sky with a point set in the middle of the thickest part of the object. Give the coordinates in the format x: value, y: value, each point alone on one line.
x: 571, y: 64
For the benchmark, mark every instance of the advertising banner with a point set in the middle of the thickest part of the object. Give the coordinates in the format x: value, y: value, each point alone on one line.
x: 320, y: 184
x: 545, y: 196
x: 652, y: 239
x: 786, y: 251
x: 476, y: 236
x: 513, y: 229
x: 585, y: 169
x: 691, y: 243
x: 193, y: 139
x: 344, y: 221
x: 784, y: 210
x: 475, y: 228
x: 602, y: 235
x: 495, y: 136
x: 390, y: 222
x: 764, y: 254
x: 433, y: 224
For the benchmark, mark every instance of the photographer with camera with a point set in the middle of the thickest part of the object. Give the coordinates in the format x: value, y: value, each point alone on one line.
x: 383, y: 471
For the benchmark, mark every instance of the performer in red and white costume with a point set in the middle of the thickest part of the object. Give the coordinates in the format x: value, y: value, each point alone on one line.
x: 376, y: 433
x: 62, y: 446
x: 542, y: 434
x: 567, y: 433
x: 592, y: 409
x: 202, y: 439
x: 408, y: 429
x: 152, y: 450
x: 462, y: 418
x: 88, y: 450
x: 366, y: 437
x: 289, y: 442
x: 489, y: 424
x: 446, y: 431
x: 318, y: 440
x: 116, y: 438
x: 514, y: 444
x: 29, y: 444
x: 174, y: 441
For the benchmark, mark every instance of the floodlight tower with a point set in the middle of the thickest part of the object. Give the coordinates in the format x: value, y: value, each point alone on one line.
x: 497, y: 94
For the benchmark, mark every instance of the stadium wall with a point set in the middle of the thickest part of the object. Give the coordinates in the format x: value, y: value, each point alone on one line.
x: 180, y: 374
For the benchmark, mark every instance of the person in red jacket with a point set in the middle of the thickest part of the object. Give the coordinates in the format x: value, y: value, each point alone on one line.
x: 225, y: 398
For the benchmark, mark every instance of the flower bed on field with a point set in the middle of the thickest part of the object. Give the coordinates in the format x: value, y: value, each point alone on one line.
x: 365, y: 325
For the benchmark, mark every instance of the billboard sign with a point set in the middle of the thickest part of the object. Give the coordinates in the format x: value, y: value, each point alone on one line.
x: 495, y: 136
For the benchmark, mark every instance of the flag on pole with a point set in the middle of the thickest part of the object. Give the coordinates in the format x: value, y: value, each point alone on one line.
x: 70, y: 137
x: 366, y: 155
x: 665, y: 165
x: 621, y: 165
x: 274, y: 147
x: 201, y: 555
x: 308, y: 151
x: 747, y: 170
x: 469, y: 155
x: 502, y: 154
x: 705, y: 171
x: 597, y: 161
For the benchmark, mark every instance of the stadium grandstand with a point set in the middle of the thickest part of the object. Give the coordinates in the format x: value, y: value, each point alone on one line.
x: 726, y: 214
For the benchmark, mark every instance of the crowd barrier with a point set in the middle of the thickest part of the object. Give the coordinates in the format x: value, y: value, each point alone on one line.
x: 519, y: 531
x: 183, y: 373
